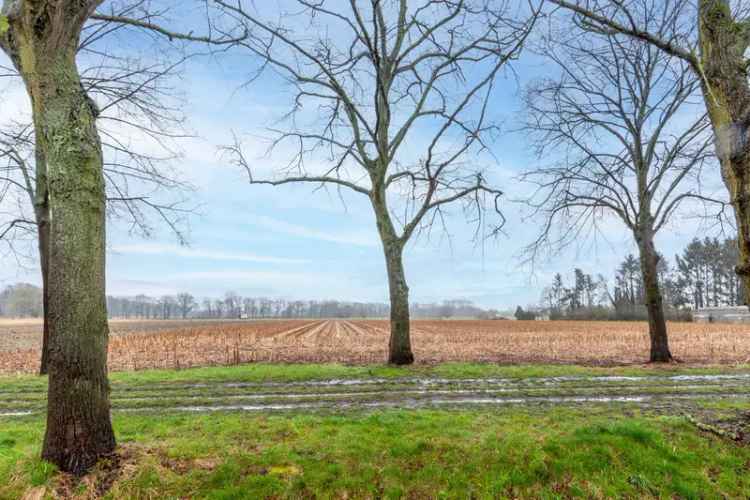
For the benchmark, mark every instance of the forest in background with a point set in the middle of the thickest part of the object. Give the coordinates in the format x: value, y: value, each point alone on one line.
x: 701, y: 276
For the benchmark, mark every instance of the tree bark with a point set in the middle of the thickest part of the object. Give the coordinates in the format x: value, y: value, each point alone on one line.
x: 43, y: 237
x: 79, y: 430
x: 657, y: 325
x: 42, y: 42
x: 41, y: 213
x: 399, y: 346
x: 723, y: 42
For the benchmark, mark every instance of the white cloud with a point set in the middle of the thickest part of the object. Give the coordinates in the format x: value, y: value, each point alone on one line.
x: 358, y: 238
x: 190, y: 253
x: 16, y: 107
x: 129, y: 287
x: 326, y: 284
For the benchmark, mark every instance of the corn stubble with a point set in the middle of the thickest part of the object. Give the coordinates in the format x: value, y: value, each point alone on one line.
x: 137, y: 345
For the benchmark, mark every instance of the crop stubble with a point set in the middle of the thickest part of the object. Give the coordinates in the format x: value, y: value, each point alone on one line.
x: 180, y: 344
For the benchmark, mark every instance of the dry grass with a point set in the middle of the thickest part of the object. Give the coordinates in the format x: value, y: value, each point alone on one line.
x: 180, y: 344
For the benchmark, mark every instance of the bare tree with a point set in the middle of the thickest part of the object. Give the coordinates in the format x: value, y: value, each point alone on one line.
x: 621, y: 128
x: 186, y: 303
x: 377, y: 74
x: 139, y: 119
x: 135, y: 97
x: 712, y: 38
x: 42, y: 40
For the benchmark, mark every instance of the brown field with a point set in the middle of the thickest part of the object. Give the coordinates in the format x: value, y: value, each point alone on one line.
x: 178, y: 344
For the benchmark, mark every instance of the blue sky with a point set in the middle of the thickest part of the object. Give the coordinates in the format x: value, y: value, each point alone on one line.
x: 296, y: 242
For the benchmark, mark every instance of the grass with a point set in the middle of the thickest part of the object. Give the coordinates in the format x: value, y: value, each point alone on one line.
x: 597, y: 451
x: 558, y: 453
x: 263, y: 372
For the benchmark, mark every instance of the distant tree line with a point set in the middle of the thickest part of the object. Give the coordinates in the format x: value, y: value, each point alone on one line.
x: 701, y: 276
x: 21, y: 300
x: 705, y: 274
x: 24, y: 300
x: 234, y: 306
x: 523, y: 315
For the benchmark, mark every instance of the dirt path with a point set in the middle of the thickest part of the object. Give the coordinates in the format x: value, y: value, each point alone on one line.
x: 672, y: 392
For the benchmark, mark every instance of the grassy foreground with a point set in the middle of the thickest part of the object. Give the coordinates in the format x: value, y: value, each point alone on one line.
x: 601, y: 451
x: 265, y: 372
x: 392, y: 454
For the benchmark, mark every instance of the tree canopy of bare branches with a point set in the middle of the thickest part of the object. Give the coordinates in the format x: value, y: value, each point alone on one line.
x: 626, y: 136
x: 711, y: 36
x: 401, y: 97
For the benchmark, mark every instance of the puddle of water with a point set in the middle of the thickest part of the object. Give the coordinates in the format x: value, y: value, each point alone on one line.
x: 486, y: 381
x: 419, y: 403
x: 413, y: 403
x: 15, y: 413
x: 497, y: 384
x: 562, y: 399
x: 402, y: 392
x: 739, y: 376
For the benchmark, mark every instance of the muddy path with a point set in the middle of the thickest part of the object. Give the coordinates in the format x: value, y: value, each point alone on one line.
x: 344, y: 395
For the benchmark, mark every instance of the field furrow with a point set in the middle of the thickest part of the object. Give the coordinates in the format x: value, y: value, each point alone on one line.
x: 181, y: 344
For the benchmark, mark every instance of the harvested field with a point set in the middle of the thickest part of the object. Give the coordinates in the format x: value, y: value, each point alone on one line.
x: 180, y: 344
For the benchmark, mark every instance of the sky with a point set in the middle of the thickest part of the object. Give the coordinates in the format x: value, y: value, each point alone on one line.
x: 297, y: 242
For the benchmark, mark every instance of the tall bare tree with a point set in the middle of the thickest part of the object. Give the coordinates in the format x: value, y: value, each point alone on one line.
x: 379, y: 74
x: 620, y: 126
x: 712, y: 37
x: 42, y: 40
x: 132, y: 97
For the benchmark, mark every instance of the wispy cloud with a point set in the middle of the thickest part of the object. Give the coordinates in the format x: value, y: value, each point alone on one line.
x: 192, y: 253
x: 130, y: 287
x: 324, y: 284
x: 358, y: 238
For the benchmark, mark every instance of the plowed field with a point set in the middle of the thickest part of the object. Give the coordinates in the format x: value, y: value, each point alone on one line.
x: 180, y: 344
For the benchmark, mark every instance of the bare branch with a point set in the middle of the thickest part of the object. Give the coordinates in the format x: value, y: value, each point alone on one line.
x: 612, y: 129
x: 390, y: 69
x: 610, y: 25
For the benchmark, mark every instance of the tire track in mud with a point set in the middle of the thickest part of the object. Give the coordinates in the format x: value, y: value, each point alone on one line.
x: 342, y: 395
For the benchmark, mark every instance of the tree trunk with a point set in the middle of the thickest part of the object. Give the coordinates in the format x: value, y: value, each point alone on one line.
x: 79, y: 430
x: 43, y: 236
x: 42, y: 42
x: 723, y: 42
x: 399, y: 346
x: 657, y: 325
x: 41, y: 212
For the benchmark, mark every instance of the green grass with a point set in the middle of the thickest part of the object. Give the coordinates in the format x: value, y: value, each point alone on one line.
x: 598, y: 451
x: 557, y: 453
x: 261, y: 372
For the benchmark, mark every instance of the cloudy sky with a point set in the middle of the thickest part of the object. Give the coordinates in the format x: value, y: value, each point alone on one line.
x: 299, y: 242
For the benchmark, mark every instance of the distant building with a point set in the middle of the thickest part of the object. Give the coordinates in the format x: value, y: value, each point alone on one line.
x: 739, y: 314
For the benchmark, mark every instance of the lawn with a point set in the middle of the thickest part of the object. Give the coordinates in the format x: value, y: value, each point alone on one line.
x: 393, y: 454
x: 596, y: 451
